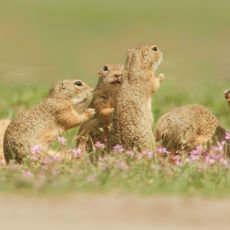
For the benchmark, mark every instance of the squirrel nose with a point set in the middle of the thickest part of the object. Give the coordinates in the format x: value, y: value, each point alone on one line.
x: 117, y: 75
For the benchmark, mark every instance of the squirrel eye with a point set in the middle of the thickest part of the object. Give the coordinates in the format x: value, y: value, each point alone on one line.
x: 78, y: 83
x: 105, y: 68
x: 154, y: 48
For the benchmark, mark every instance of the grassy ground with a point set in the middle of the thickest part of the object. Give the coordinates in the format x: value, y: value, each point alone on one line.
x: 45, y: 40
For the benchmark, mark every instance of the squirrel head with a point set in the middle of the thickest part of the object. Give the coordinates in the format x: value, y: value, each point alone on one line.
x: 145, y: 57
x: 76, y: 91
x: 111, y: 74
x: 227, y: 94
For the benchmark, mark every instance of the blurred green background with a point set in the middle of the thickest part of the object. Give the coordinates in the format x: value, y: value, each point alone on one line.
x: 45, y: 40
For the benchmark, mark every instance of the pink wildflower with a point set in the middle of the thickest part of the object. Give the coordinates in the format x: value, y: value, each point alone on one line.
x: 118, y: 148
x: 56, y: 157
x: 27, y: 174
x: 162, y: 150
x: 77, y: 152
x: 34, y: 158
x: 148, y: 154
x: 194, y: 157
x: 197, y: 151
x: 99, y: 145
x: 227, y: 136
x: 209, y: 159
x: 223, y: 161
x: 36, y: 149
x: 130, y: 153
x: 61, y: 140
x: 122, y: 165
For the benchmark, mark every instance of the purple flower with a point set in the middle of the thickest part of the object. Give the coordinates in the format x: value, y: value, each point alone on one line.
x: 227, y: 136
x: 36, y: 149
x: 223, y: 161
x: 61, y: 140
x: 194, y: 157
x: 209, y: 159
x: 148, y: 154
x: 118, y: 148
x: 77, y: 152
x: 130, y: 153
x: 27, y: 174
x: 197, y: 151
x: 99, y: 145
x: 56, y: 157
x: 122, y: 165
x: 162, y: 150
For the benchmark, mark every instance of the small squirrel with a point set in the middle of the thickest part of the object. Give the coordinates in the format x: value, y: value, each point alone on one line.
x: 185, y: 127
x: 42, y: 124
x: 132, y: 118
x: 227, y: 96
x: 3, y: 126
x: 98, y: 128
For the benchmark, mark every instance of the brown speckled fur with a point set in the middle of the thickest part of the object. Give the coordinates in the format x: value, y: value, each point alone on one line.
x: 43, y: 123
x: 132, y: 119
x: 98, y: 128
x: 185, y: 127
x: 3, y: 126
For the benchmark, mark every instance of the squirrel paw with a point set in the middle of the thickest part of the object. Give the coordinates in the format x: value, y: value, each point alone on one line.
x: 90, y: 112
x: 107, y: 111
x: 161, y: 77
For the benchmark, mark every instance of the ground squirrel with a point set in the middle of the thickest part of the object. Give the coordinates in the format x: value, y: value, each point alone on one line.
x: 42, y: 124
x: 185, y: 127
x: 98, y: 128
x: 3, y: 126
x: 132, y: 118
x: 227, y: 96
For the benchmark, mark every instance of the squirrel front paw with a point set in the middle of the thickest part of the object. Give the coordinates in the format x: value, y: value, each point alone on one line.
x: 161, y: 77
x: 107, y: 111
x: 90, y: 112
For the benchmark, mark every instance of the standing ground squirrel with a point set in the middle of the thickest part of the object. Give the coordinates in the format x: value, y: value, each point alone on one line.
x: 185, y: 127
x: 227, y: 96
x: 132, y: 118
x: 98, y: 128
x: 43, y: 123
x: 3, y: 126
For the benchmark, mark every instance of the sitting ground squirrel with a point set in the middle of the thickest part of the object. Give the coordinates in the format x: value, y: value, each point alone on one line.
x: 3, y: 126
x: 43, y: 123
x: 132, y: 118
x: 227, y: 96
x: 185, y: 127
x: 98, y: 128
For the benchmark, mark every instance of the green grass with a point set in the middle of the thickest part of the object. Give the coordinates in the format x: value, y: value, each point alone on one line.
x: 43, y: 41
x: 118, y: 172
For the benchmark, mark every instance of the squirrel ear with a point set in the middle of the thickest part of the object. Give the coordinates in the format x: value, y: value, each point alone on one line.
x: 62, y: 86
